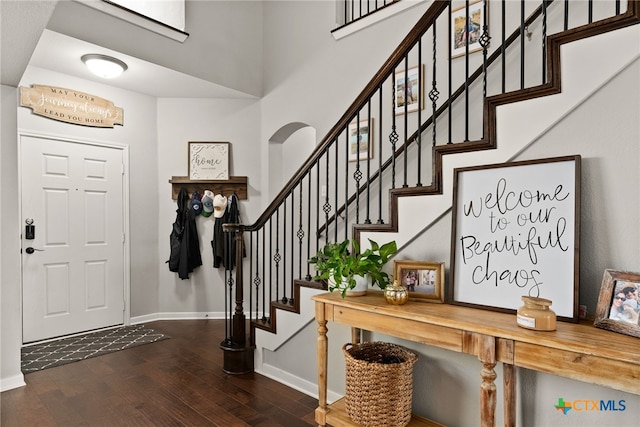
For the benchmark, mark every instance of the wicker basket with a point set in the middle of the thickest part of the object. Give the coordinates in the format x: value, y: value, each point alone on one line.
x: 379, y: 383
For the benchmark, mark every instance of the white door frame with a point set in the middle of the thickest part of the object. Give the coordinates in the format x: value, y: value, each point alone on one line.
x: 125, y: 203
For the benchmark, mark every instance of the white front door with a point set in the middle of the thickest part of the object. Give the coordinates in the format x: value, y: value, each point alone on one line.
x: 73, y: 269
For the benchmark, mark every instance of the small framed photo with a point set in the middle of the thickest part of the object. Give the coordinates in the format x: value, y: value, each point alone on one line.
x: 208, y: 161
x: 618, y: 306
x: 408, y: 88
x: 467, y: 29
x: 424, y: 280
x: 361, y: 140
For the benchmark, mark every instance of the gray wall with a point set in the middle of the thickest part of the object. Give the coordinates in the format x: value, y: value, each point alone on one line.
x: 10, y: 291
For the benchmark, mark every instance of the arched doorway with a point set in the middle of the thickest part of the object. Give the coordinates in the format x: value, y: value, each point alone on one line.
x: 289, y: 147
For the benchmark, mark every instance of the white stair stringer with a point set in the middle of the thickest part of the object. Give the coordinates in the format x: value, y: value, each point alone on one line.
x: 520, y: 124
x: 288, y: 324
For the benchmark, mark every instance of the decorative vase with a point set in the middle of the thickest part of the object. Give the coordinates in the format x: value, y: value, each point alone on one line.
x: 536, y: 314
x: 396, y: 294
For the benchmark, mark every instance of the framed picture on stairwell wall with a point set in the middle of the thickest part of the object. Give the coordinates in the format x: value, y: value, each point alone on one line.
x: 361, y: 140
x: 408, y: 90
x: 467, y: 29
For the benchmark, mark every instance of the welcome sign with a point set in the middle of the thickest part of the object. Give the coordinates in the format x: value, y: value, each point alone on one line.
x: 515, y: 233
x: 71, y: 106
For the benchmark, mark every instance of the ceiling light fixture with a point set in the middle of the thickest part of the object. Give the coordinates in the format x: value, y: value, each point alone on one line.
x: 104, y: 66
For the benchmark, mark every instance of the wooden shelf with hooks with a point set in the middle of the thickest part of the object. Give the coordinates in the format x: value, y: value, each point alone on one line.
x: 235, y: 184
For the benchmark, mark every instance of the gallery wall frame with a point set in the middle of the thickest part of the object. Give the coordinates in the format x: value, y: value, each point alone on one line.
x: 362, y: 131
x: 516, y: 232
x: 412, y: 91
x: 467, y: 31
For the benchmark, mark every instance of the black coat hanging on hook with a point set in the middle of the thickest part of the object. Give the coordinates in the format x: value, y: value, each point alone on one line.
x: 184, y: 254
x: 224, y: 244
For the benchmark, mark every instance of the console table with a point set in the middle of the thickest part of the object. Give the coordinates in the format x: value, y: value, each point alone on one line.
x: 578, y: 351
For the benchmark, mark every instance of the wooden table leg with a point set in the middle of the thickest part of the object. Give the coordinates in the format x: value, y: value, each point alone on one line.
x: 509, y: 391
x: 487, y: 355
x: 321, y: 410
x: 356, y: 335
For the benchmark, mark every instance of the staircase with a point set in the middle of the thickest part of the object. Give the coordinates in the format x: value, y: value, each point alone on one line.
x: 462, y: 118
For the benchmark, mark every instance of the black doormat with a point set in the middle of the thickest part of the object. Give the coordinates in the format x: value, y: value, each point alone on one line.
x: 67, y: 350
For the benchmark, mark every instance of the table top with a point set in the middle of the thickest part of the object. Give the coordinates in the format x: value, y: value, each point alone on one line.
x: 580, y: 337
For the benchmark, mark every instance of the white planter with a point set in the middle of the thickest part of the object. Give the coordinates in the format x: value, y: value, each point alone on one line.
x: 362, y: 284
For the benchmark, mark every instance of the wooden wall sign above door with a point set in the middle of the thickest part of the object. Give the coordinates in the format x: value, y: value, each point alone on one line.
x: 71, y: 106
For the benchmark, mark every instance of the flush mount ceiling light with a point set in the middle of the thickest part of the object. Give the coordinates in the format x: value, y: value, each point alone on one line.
x: 104, y: 66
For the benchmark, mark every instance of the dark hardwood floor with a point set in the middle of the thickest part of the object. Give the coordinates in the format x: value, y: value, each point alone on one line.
x: 175, y: 382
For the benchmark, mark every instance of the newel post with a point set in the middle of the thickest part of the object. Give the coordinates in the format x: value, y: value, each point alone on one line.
x: 238, y: 353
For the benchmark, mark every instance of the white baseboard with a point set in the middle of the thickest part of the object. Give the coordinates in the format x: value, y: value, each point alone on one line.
x: 307, y: 387
x: 12, y: 382
x: 175, y: 316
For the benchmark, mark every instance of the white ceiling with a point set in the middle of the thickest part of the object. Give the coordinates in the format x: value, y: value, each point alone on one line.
x: 39, y: 33
x: 61, y: 53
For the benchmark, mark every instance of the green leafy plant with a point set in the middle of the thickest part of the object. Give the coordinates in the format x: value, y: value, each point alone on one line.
x: 339, y: 263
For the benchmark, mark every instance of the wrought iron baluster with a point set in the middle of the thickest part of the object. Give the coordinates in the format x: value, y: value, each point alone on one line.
x: 434, y: 94
x: 503, y: 47
x: 405, y: 87
x: 335, y: 231
x: 393, y: 136
x: 450, y: 72
x: 277, y: 257
x: 369, y: 148
x: 264, y: 297
x: 544, y: 41
x: 308, y: 276
x: 419, y: 115
x: 250, y: 276
x: 346, y: 186
x: 522, y: 36
x: 327, y: 206
x: 300, y: 233
x: 292, y: 257
x: 357, y: 174
x: 380, y: 220
x: 284, y: 251
x: 466, y: 73
x: 484, y: 43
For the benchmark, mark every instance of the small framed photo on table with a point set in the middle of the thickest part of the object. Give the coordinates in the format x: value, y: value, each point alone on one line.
x: 208, y: 161
x: 424, y: 280
x: 618, y: 306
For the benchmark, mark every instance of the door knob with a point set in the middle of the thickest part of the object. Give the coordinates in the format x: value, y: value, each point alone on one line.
x: 31, y: 250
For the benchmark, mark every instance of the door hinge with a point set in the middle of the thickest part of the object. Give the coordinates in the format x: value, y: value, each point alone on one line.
x: 122, y: 168
x: 123, y: 237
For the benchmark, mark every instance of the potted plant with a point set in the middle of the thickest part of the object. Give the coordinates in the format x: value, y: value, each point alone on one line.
x: 342, y: 265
